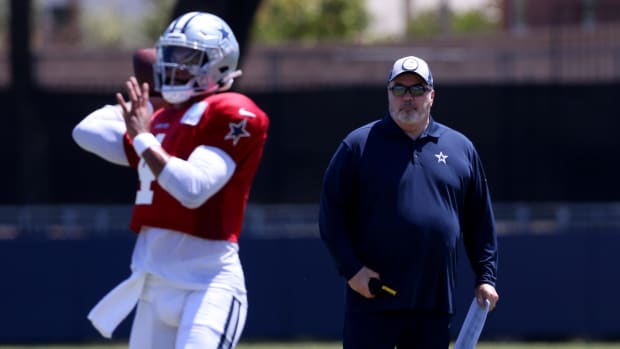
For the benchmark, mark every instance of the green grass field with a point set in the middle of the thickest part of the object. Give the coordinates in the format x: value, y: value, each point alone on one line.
x: 320, y: 345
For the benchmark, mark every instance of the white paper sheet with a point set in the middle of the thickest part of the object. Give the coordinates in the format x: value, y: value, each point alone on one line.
x: 472, y: 326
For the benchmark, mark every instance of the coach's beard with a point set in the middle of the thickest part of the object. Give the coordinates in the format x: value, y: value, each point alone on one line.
x: 410, y: 115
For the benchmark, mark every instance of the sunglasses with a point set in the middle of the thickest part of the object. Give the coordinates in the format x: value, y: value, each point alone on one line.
x: 416, y: 90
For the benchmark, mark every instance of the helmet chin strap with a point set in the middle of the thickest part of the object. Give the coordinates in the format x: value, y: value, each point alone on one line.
x: 176, y: 97
x: 227, y: 82
x: 181, y: 96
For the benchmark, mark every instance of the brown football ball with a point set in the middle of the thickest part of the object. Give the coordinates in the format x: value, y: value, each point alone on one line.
x: 143, y: 60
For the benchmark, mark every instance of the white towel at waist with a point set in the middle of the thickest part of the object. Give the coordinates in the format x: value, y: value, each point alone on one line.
x: 117, y: 304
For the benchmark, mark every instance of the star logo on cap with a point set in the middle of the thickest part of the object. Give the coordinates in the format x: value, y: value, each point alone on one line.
x: 237, y: 131
x: 441, y: 157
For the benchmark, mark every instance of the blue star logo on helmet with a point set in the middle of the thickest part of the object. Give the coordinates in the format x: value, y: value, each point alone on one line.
x: 224, y: 33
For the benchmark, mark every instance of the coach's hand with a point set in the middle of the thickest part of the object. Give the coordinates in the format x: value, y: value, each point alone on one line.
x: 359, y: 281
x: 486, y: 291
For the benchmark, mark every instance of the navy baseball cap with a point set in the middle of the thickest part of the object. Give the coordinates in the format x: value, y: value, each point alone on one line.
x: 412, y: 64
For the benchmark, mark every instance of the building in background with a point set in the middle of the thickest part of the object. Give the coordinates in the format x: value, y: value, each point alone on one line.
x: 519, y: 15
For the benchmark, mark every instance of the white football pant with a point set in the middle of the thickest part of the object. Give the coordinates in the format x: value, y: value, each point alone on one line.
x: 173, y: 318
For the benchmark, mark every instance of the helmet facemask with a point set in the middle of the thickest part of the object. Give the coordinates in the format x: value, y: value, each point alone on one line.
x: 182, y: 72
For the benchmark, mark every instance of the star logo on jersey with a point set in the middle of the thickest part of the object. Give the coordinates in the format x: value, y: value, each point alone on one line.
x: 237, y: 131
x: 441, y: 157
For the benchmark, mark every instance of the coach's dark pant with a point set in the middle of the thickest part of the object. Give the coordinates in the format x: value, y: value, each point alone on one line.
x: 401, y: 329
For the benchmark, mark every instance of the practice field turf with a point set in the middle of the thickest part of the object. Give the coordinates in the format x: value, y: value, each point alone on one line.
x: 319, y: 345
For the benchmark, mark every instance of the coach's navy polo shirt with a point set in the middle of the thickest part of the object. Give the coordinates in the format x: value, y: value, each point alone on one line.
x: 399, y: 207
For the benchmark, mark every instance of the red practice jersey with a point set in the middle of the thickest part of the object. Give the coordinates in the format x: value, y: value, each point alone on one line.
x: 229, y: 121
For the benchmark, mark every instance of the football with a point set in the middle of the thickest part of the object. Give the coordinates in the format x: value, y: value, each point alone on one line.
x: 143, y: 60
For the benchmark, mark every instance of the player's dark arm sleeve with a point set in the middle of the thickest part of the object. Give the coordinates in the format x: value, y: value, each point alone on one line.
x: 479, y: 233
x: 336, y: 213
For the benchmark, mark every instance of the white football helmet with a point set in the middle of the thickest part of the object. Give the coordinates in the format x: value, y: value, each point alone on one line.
x: 197, y: 54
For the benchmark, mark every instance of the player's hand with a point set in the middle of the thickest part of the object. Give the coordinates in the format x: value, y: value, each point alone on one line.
x: 359, y: 281
x: 137, y: 115
x: 486, y: 291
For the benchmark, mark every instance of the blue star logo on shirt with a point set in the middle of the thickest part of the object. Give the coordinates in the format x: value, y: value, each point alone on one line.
x: 441, y: 157
x: 237, y: 131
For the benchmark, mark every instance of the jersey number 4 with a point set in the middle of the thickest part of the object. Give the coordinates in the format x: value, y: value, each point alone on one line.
x: 144, y: 195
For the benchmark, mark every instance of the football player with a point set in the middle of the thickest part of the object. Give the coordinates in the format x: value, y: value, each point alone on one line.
x: 196, y: 158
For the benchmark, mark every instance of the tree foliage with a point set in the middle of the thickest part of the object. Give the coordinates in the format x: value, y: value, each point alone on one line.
x: 157, y: 19
x: 427, y: 23
x: 473, y: 22
x: 309, y: 20
x: 4, y: 23
x: 424, y: 24
x: 111, y: 28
